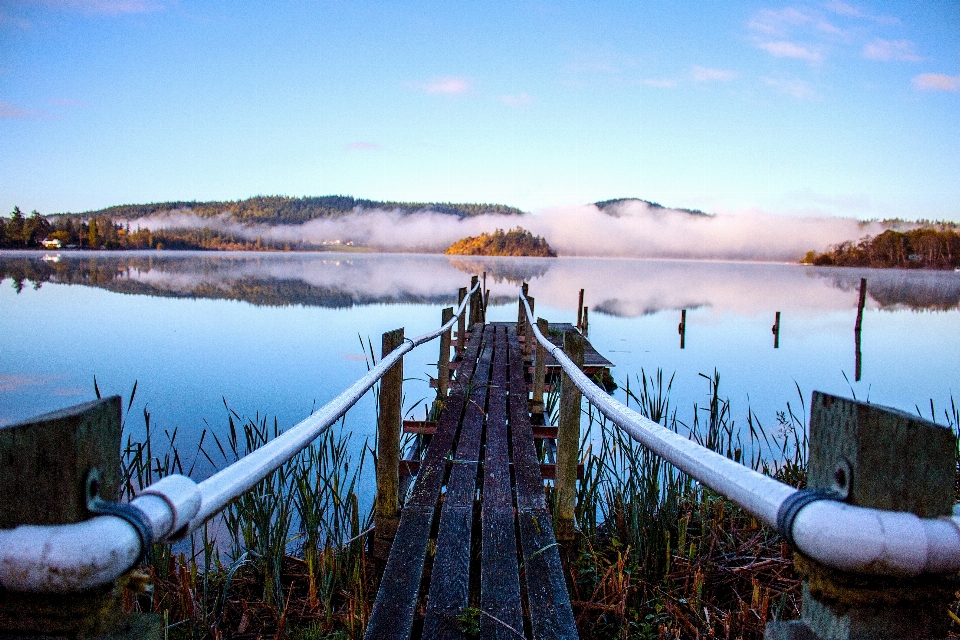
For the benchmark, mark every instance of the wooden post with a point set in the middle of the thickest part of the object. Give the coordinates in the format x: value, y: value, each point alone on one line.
x: 443, y: 364
x: 586, y: 321
x: 568, y: 442
x: 461, y: 323
x: 872, y: 456
x: 859, y: 326
x: 521, y: 312
x: 580, y: 311
x: 476, y: 301
x: 528, y: 338
x: 539, y: 371
x: 44, y: 467
x: 682, y: 328
x: 486, y: 296
x: 387, y: 503
x: 776, y: 331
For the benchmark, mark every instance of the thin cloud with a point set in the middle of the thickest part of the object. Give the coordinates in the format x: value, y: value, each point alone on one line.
x: 936, y: 82
x: 104, y: 7
x: 885, y: 50
x: 706, y: 74
x: 778, y: 21
x: 67, y: 102
x: 784, y: 49
x: 363, y: 146
x: 799, y: 89
x: 850, y: 11
x: 9, y: 111
x: 520, y: 100
x: 662, y: 83
x: 444, y: 85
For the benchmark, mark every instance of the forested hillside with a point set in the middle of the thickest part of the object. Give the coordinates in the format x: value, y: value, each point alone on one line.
x: 283, y: 210
x: 516, y: 242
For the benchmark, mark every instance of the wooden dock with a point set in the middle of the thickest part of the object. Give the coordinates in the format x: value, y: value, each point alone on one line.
x: 475, y: 544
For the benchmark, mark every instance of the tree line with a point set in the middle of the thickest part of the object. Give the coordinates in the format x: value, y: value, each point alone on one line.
x: 516, y: 242
x: 914, y: 249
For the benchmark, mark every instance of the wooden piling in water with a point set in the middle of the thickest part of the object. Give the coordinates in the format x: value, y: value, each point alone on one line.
x: 521, y: 312
x: 776, y: 331
x: 682, y: 328
x: 568, y: 442
x: 857, y: 329
x: 387, y: 502
x: 585, y: 329
x: 879, y: 458
x: 580, y: 311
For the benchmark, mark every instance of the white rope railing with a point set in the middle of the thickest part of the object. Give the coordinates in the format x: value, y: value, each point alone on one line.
x: 75, y: 557
x: 833, y: 533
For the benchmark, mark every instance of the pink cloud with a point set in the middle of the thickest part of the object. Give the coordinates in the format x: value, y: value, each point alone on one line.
x: 107, y: 7
x: 9, y: 111
x: 784, y: 49
x: 891, y: 50
x: 662, y: 83
x: 706, y: 74
x: 936, y: 82
x: 520, y: 100
x: 448, y: 85
x: 363, y: 146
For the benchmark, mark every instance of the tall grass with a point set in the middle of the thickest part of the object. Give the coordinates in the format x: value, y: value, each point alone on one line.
x: 286, y: 559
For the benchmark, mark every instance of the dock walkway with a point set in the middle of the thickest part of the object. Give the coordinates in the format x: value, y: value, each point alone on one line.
x: 492, y: 548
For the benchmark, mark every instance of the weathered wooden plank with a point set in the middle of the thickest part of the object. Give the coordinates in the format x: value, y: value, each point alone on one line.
x: 499, y: 573
x: 529, y: 483
x: 549, y: 602
x: 450, y: 580
x: 393, y: 612
x: 394, y: 608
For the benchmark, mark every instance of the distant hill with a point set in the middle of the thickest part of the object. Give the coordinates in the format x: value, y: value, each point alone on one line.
x: 610, y: 206
x: 516, y: 242
x: 284, y: 210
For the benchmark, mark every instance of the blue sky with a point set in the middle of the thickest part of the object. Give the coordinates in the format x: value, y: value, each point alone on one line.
x: 835, y: 108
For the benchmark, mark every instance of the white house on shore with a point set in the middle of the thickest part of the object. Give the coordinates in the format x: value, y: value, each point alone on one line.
x: 51, y: 244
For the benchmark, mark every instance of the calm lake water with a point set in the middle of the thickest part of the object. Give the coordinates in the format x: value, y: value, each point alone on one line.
x: 277, y: 334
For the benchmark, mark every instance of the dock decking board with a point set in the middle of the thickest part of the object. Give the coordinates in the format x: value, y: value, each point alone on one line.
x: 495, y: 548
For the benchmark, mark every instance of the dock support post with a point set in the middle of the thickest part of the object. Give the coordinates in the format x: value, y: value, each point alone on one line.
x: 45, y: 478
x: 585, y: 329
x: 486, y: 297
x: 443, y: 363
x: 476, y: 303
x: 528, y: 338
x: 859, y: 325
x: 871, y: 456
x: 776, y: 331
x: 521, y: 313
x: 461, y: 324
x: 387, y: 504
x: 539, y: 371
x: 568, y: 442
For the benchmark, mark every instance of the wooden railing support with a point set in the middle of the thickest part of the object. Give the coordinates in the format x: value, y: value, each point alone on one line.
x: 387, y: 503
x: 568, y: 442
x: 461, y: 323
x: 45, y: 464
x: 476, y: 302
x: 521, y: 312
x: 881, y: 458
x: 528, y: 338
x: 580, y: 311
x: 443, y: 363
x: 539, y: 371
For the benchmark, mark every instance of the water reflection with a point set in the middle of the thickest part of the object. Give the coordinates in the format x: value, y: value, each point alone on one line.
x: 615, y: 287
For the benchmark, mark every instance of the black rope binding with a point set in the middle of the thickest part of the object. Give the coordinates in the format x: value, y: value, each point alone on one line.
x: 790, y: 507
x: 134, y: 515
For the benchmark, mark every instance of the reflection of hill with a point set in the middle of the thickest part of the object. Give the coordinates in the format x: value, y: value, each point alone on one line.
x: 201, y: 280
x: 621, y: 309
x: 515, y: 271
x: 892, y: 288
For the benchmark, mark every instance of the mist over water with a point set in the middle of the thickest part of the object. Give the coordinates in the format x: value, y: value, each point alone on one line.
x: 631, y: 229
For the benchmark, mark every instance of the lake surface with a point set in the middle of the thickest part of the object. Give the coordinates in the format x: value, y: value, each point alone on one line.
x: 277, y: 334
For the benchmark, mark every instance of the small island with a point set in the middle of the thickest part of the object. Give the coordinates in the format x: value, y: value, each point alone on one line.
x: 932, y: 246
x: 516, y: 242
